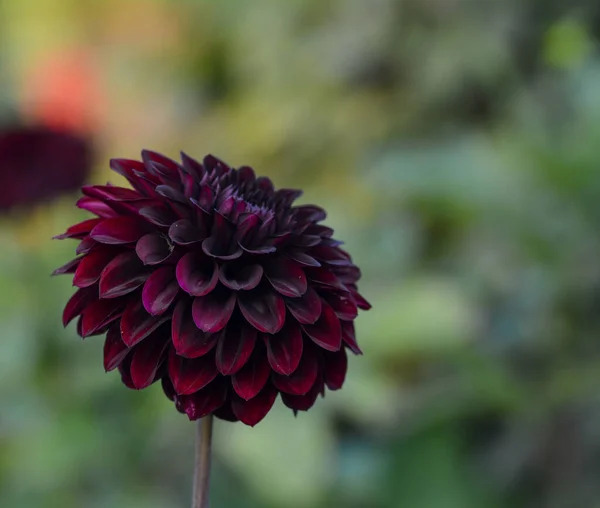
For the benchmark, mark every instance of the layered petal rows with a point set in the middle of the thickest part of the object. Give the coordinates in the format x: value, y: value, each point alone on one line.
x: 207, y: 278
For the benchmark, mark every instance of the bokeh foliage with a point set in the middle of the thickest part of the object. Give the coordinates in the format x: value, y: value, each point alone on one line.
x: 455, y: 145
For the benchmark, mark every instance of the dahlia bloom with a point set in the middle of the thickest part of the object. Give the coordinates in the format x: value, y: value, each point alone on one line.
x: 38, y: 164
x: 208, y: 279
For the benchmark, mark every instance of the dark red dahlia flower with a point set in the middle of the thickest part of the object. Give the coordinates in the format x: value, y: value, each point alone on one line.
x: 38, y: 164
x: 205, y: 277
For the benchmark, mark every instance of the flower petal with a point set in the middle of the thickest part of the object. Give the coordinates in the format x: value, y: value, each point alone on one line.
x: 324, y: 277
x: 148, y: 357
x: 238, y: 276
x: 303, y: 378
x: 80, y: 230
x: 137, y: 324
x: 212, y: 312
x: 234, y: 348
x: 335, y: 368
x: 158, y: 214
x: 286, y: 276
x: 264, y: 309
x: 89, y: 270
x: 253, y: 376
x: 302, y: 402
x: 307, y: 308
x: 122, y: 275
x: 153, y: 248
x: 78, y: 302
x: 115, y: 349
x: 190, y: 375
x: 197, y: 274
x: 183, y: 232
x: 254, y: 410
x: 349, y: 338
x: 99, y: 314
x: 119, y: 230
x: 303, y: 258
x: 188, y: 340
x: 327, y: 331
x: 96, y: 206
x: 70, y: 267
x: 342, y: 303
x: 160, y: 291
x: 111, y: 192
x: 284, y: 350
x: 205, y: 401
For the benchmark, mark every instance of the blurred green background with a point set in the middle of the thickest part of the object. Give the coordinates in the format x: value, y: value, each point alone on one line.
x: 456, y: 147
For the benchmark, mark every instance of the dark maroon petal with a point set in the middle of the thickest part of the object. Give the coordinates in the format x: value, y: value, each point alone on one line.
x: 327, y: 331
x: 183, y: 232
x: 336, y: 365
x: 348, y: 275
x: 190, y: 375
x: 78, y: 302
x: 205, y: 200
x: 303, y: 378
x: 96, y: 206
x: 303, y: 258
x: 226, y: 413
x: 254, y: 410
x: 119, y: 230
x: 247, y: 228
x: 192, y: 166
x: 307, y: 308
x: 115, y: 349
x: 349, y: 338
x: 212, y: 163
x: 331, y: 255
x: 213, y: 246
x: 253, y: 376
x: 234, y: 348
x: 197, y: 274
x: 70, y: 267
x: 188, y: 340
x: 361, y: 302
x: 263, y: 309
x: 306, y: 241
x: 286, y: 276
x: 111, y: 192
x: 154, y: 161
x: 284, y: 350
x: 158, y: 214
x: 205, y: 401
x: 160, y: 290
x: 137, y: 324
x: 124, y: 370
x: 324, y: 277
x: 171, y: 194
x: 147, y: 358
x: 246, y: 174
x: 122, y: 275
x: 99, y: 314
x: 287, y: 196
x: 302, y: 402
x: 91, y: 266
x: 239, y: 276
x: 319, y: 230
x: 212, y: 312
x: 86, y: 245
x: 167, y: 387
x: 342, y: 303
x: 79, y: 230
x: 153, y: 249
x: 309, y: 213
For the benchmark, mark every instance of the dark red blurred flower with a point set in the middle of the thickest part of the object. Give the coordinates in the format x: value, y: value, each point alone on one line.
x: 208, y: 279
x: 38, y: 164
